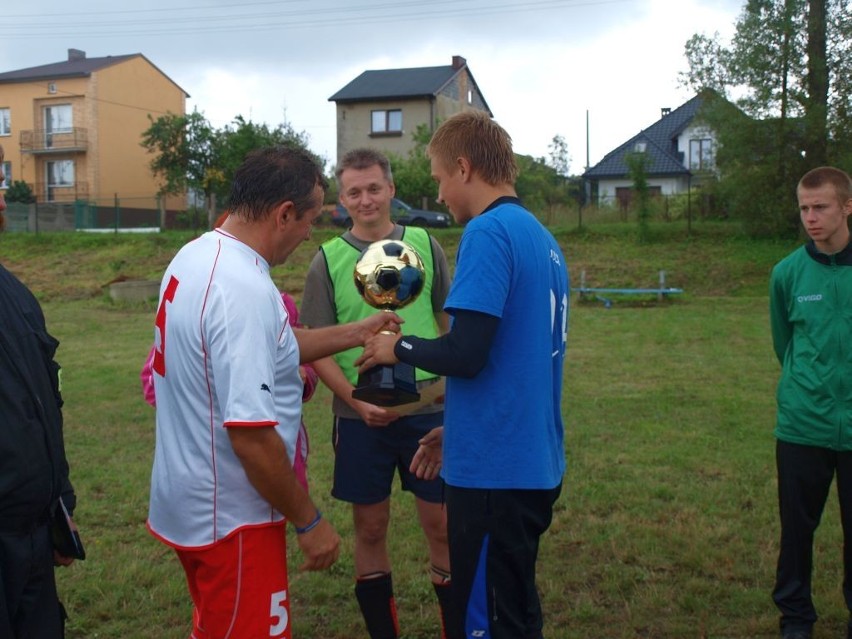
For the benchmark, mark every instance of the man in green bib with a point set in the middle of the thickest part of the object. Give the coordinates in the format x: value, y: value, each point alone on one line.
x: 373, y: 443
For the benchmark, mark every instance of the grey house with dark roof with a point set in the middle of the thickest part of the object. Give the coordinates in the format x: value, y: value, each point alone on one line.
x: 382, y: 109
x: 679, y: 153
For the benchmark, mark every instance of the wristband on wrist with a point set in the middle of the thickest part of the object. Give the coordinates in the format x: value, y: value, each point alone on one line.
x: 308, y: 527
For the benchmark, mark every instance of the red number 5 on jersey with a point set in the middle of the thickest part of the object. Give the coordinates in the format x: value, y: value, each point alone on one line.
x: 159, y: 365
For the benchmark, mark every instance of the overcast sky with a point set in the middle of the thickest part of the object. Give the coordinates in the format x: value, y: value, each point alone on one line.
x: 542, y: 65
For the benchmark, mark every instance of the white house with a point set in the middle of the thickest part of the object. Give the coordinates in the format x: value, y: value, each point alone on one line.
x: 679, y: 150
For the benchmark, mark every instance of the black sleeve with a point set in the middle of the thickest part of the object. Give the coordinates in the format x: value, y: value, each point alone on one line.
x: 462, y: 352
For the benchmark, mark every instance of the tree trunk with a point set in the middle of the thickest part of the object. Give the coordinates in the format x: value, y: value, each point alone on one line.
x: 785, y: 94
x: 784, y: 143
x: 816, y: 139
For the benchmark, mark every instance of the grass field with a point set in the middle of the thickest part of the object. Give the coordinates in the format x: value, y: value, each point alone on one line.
x: 667, y: 525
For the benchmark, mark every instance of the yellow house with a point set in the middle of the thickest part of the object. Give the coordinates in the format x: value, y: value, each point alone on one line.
x: 72, y: 129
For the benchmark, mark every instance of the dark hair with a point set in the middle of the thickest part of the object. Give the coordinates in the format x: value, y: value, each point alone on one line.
x: 823, y: 175
x: 360, y: 159
x: 272, y: 175
x: 485, y: 144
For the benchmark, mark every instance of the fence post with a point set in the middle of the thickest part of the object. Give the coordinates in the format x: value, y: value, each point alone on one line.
x: 115, y: 223
x: 689, y: 208
x: 161, y: 206
x: 31, y: 216
x: 661, y: 296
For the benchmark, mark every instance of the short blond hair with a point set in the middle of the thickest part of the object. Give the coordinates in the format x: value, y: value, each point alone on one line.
x: 474, y: 136
x: 824, y: 175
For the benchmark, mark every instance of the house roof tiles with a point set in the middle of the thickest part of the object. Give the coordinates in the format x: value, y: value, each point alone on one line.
x: 66, y: 69
x: 661, y: 150
x: 401, y: 84
x: 396, y: 83
x: 74, y: 67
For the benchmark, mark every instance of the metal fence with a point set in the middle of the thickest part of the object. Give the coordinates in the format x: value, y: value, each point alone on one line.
x: 680, y: 206
x: 662, y: 208
x: 142, y: 214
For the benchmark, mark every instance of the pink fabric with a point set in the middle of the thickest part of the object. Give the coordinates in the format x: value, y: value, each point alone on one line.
x: 311, y: 377
x: 147, y: 376
x: 300, y: 463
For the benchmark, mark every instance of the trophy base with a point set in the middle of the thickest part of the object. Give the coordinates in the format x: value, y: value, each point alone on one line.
x: 387, y: 385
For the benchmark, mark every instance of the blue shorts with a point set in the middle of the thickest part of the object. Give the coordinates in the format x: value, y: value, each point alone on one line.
x: 366, y: 459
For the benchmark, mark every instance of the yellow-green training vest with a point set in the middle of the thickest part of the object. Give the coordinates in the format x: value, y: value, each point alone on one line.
x: 340, y: 259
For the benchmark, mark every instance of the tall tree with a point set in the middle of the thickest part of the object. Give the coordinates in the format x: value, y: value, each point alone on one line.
x: 240, y: 137
x: 185, y: 150
x: 559, y: 160
x: 190, y: 155
x: 816, y: 124
x: 839, y: 62
x: 637, y: 165
x: 412, y: 175
x: 788, y: 66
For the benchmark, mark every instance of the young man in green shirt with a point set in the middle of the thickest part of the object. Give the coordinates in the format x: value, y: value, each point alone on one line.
x: 811, y: 316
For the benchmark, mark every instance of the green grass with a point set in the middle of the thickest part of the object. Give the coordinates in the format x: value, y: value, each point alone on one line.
x: 667, y: 526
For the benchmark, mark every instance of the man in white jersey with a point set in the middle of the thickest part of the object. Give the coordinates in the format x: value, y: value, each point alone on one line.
x: 229, y: 394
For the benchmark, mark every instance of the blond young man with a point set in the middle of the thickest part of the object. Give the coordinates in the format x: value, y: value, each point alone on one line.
x: 503, y: 457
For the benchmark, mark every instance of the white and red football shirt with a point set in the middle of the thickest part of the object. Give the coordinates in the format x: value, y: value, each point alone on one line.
x: 226, y: 358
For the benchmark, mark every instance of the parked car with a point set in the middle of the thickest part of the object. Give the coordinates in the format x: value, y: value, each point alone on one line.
x: 339, y: 216
x: 401, y: 213
x: 406, y: 215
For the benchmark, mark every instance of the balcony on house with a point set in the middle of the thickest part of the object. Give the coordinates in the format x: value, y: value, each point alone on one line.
x: 62, y: 192
x: 72, y: 140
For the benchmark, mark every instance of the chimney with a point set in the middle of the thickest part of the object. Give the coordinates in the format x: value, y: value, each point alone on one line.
x: 458, y: 62
x: 76, y: 54
x: 665, y: 111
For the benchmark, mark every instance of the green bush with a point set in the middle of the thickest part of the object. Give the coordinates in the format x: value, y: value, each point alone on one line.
x: 20, y: 191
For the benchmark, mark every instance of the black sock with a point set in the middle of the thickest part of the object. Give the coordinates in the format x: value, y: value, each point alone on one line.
x: 375, y: 597
x: 452, y: 625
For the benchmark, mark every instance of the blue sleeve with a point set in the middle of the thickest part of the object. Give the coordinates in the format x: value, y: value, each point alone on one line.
x: 483, y: 272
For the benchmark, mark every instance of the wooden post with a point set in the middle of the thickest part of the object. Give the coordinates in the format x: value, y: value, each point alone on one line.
x: 661, y: 295
x: 161, y: 205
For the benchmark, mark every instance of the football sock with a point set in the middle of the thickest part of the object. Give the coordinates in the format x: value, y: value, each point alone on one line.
x: 452, y: 626
x: 374, y: 593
